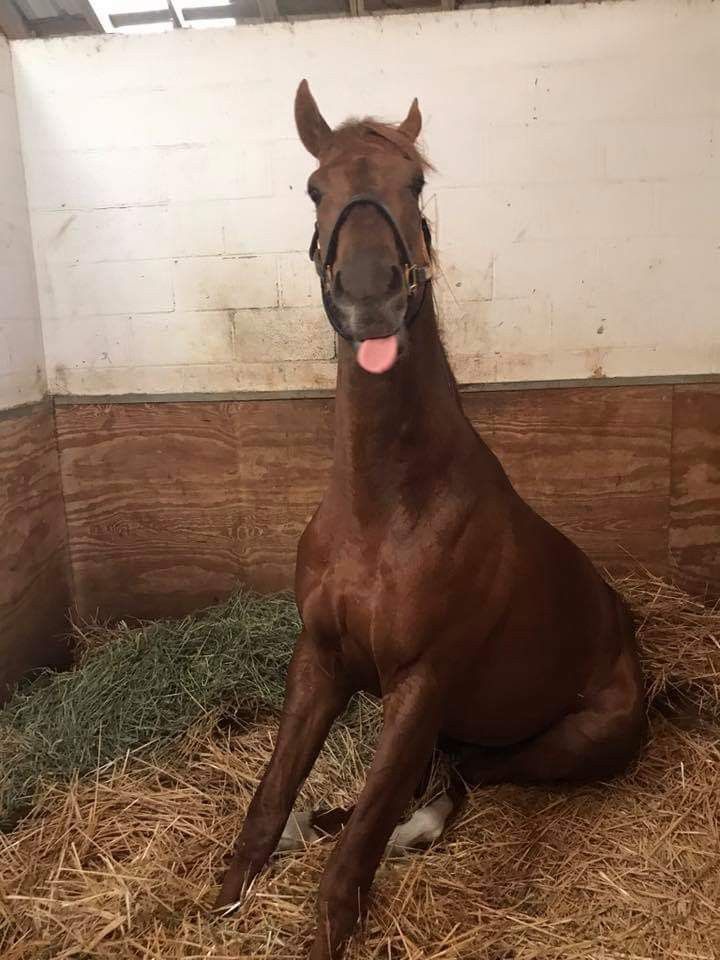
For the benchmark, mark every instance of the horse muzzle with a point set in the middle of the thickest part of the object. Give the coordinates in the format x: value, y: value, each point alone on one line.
x: 368, y: 300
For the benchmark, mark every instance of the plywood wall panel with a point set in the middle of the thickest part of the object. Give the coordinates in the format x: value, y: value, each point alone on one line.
x: 695, y: 491
x: 170, y: 505
x: 594, y: 461
x: 34, y: 585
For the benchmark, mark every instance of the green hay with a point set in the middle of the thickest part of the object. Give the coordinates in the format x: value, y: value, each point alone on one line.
x: 140, y: 686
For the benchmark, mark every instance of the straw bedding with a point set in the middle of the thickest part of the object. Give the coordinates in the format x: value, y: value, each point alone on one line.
x: 140, y: 763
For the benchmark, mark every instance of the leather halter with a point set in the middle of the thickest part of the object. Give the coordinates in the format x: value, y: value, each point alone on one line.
x: 414, y: 275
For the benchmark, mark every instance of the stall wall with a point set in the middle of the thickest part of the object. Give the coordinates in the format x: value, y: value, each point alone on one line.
x: 575, y: 207
x: 33, y: 544
x: 576, y: 202
x: 22, y: 366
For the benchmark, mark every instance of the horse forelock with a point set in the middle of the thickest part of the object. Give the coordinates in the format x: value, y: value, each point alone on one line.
x: 370, y: 129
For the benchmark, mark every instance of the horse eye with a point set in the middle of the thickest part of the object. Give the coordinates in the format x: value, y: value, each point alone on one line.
x: 417, y: 185
x: 314, y: 195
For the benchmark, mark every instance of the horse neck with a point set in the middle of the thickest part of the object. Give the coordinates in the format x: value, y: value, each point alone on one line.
x: 390, y: 429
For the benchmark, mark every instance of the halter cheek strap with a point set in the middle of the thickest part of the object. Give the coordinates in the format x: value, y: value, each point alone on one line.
x: 415, y: 276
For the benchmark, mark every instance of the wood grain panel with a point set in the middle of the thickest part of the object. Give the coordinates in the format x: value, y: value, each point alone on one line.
x: 34, y: 587
x: 695, y: 488
x: 170, y: 505
x: 595, y: 462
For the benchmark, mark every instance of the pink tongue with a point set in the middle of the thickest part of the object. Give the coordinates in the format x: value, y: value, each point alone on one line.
x: 377, y: 356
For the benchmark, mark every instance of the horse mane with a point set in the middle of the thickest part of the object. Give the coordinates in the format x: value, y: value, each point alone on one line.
x: 369, y: 129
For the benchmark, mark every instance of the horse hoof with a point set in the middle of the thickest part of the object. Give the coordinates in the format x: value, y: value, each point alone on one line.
x: 232, y: 892
x: 224, y: 906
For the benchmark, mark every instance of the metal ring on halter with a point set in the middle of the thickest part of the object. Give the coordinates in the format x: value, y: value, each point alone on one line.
x: 413, y: 274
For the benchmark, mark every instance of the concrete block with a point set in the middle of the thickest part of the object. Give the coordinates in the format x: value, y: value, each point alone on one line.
x: 290, y: 166
x: 103, y: 289
x: 26, y: 386
x: 12, y: 175
x: 94, y: 236
x: 6, y: 361
x: 567, y: 268
x: 689, y: 208
x: 181, y: 338
x: 15, y: 235
x: 217, y: 171
x: 19, y: 293
x: 490, y: 215
x: 597, y: 210
x: 265, y: 336
x: 213, y: 283
x: 196, y: 229
x: 657, y: 150
x: 467, y: 270
x: 90, y: 341
x: 274, y: 225
x: 500, y: 326
x: 607, y: 87
x: 6, y: 73
x: 25, y: 342
x: 299, y: 283
x: 60, y: 180
x: 8, y: 121
x: 536, y: 153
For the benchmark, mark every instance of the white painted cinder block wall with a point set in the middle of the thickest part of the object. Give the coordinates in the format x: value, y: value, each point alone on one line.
x: 576, y: 203
x: 22, y: 366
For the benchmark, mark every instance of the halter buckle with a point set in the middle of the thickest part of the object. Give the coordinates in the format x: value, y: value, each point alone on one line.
x: 415, y: 275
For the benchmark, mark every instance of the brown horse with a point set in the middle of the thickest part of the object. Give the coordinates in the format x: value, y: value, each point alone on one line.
x: 423, y: 577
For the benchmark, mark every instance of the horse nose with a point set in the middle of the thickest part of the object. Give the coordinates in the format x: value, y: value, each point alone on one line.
x: 367, y: 277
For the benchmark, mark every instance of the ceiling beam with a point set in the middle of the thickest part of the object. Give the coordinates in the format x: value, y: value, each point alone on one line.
x: 12, y: 22
x: 69, y: 25
x: 97, y: 23
x: 176, y: 13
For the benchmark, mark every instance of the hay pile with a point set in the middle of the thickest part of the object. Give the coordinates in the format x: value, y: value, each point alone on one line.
x: 123, y: 862
x: 136, y: 687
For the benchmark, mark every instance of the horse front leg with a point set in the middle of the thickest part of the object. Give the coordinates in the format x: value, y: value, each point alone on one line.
x: 411, y: 719
x: 317, y: 691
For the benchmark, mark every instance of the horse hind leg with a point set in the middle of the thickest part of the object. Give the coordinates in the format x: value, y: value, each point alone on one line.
x: 423, y: 828
x: 596, y: 742
x: 309, y: 826
x: 427, y: 824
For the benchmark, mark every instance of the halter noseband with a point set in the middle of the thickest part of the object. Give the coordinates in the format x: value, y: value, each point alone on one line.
x: 414, y: 275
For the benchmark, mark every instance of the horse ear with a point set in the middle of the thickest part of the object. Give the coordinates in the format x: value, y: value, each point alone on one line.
x: 412, y: 124
x: 314, y: 131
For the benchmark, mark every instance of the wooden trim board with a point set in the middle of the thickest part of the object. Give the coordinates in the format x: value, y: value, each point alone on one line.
x: 467, y: 388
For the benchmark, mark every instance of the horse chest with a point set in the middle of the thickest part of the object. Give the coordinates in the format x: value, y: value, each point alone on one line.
x: 371, y: 598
